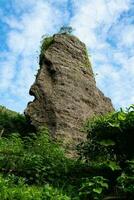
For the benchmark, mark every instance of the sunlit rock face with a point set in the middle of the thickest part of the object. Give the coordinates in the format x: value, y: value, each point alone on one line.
x: 65, y: 90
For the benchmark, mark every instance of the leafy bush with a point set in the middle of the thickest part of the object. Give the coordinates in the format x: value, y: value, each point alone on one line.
x: 125, y: 182
x: 12, y: 122
x: 49, y: 193
x: 10, y: 150
x: 110, y: 137
x: 44, y: 160
x: 109, y: 147
x: 46, y: 42
x: 126, y: 185
x: 93, y: 188
x: 39, y: 159
x: 35, y: 167
x: 14, y: 188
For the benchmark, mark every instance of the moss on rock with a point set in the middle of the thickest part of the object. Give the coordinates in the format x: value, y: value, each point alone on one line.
x: 45, y: 44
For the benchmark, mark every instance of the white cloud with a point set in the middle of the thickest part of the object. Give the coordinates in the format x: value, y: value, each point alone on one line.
x: 16, y: 42
x: 36, y: 18
x: 109, y: 37
x: 7, y: 71
x: 127, y: 36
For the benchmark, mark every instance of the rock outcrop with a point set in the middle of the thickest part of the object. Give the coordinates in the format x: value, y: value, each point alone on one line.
x: 65, y: 89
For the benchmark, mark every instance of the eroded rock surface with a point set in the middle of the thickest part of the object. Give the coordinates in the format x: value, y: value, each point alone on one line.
x: 65, y: 90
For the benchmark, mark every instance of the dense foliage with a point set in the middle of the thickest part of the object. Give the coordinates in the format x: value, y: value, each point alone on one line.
x: 109, y: 150
x: 29, y: 164
x: 12, y: 187
x: 34, y: 166
x: 13, y: 122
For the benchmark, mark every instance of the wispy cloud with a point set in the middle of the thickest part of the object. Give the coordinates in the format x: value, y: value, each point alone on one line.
x: 106, y: 28
x: 23, y: 40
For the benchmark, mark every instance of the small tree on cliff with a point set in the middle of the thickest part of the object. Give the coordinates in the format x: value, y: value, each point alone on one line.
x: 66, y: 29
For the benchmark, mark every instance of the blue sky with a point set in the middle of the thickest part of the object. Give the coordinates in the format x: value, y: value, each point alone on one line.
x: 106, y: 26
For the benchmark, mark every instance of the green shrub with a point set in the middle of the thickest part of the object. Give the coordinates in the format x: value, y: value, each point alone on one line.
x: 44, y: 160
x: 14, y: 188
x: 126, y: 185
x: 108, y: 147
x: 125, y: 182
x: 39, y: 159
x: 49, y: 193
x: 93, y: 188
x: 45, y: 44
x: 12, y: 122
x: 11, y: 149
x: 35, y: 167
x: 110, y: 137
x: 19, y: 191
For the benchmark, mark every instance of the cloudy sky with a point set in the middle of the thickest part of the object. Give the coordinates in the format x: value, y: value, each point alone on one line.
x: 106, y: 26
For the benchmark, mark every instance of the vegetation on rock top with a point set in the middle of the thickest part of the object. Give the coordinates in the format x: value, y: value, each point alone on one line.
x: 45, y: 44
x: 47, y: 41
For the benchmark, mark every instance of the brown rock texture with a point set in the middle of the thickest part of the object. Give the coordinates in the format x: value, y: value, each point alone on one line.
x: 65, y: 90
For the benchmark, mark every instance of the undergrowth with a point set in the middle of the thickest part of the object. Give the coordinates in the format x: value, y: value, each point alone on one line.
x: 34, y: 166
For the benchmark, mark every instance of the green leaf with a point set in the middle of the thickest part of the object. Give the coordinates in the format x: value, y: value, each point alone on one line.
x: 107, y: 143
x: 104, y: 185
x: 98, y: 190
x: 115, y: 125
x: 90, y: 184
x: 113, y: 166
x: 121, y: 116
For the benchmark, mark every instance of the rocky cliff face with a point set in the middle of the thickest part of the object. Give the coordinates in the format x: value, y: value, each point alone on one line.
x: 65, y: 90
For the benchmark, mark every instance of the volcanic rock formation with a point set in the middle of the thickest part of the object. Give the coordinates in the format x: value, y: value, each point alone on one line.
x: 65, y: 89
